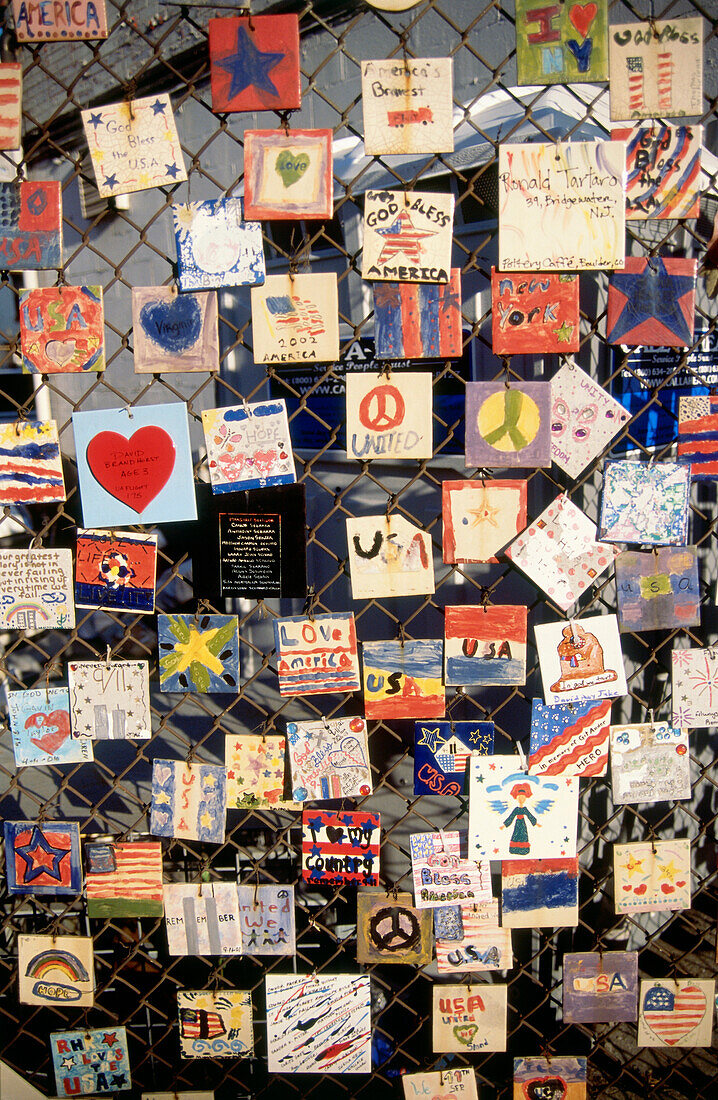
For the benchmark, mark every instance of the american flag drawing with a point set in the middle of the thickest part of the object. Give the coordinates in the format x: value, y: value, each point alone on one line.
x: 134, y: 876
x: 698, y: 436
x: 672, y: 1013
x: 198, y: 1023
x: 665, y: 81
x: 10, y: 105
x: 402, y: 236
x: 30, y: 463
x: 635, y: 83
x: 418, y: 320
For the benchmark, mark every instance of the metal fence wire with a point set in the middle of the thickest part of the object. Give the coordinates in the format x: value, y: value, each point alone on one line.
x: 162, y: 46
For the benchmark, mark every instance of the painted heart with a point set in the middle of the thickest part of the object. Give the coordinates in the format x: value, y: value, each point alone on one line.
x: 264, y: 461
x: 334, y: 835
x: 465, y: 1033
x: 680, y: 883
x: 53, y: 729
x: 666, y: 888
x: 628, y: 888
x: 670, y: 1014
x: 132, y: 470
x: 175, y: 326
x: 60, y: 352
x: 641, y: 889
x: 582, y: 16
x: 290, y: 166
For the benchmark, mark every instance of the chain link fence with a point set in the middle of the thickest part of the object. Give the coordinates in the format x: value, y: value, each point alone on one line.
x: 162, y: 47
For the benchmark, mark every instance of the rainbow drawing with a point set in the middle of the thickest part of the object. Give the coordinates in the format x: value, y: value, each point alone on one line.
x: 47, y: 962
x: 25, y: 609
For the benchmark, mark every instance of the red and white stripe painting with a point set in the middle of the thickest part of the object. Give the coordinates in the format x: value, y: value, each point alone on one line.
x: 10, y: 105
x: 665, y: 81
x: 678, y: 1013
x: 138, y: 874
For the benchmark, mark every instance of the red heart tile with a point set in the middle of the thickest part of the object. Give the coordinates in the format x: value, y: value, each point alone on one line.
x: 582, y: 16
x: 132, y: 470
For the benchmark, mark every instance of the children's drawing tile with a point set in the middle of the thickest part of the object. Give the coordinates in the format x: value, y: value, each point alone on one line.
x: 651, y: 303
x: 508, y: 426
x: 561, y: 45
x: 644, y: 503
x: 248, y: 446
x: 43, y: 858
x: 534, y: 313
x: 123, y: 878
x: 407, y: 236
x: 404, y: 679
x: 216, y: 247
x: 652, y: 876
x: 551, y: 1078
x: 174, y: 333
x: 408, y: 105
x: 675, y: 1012
x: 198, y: 653
x: 215, y: 1023
x: 575, y: 190
x: 317, y: 656
x: 40, y: 726
x: 476, y: 943
x: 418, y: 320
x: 388, y: 556
x: 390, y: 930
x: 116, y: 570
x: 539, y: 893
x: 333, y: 1013
x: 254, y: 63
x: 656, y: 69
x: 485, y: 645
x: 340, y: 848
x: 442, y: 751
x: 134, y: 145
x: 31, y: 229
x: 329, y: 759
x: 30, y: 463
x: 288, y: 176
x: 480, y: 518
x: 267, y: 919
x: 255, y: 766
x: 37, y: 590
x: 90, y: 1061
x: 697, y: 445
x: 56, y: 971
x: 663, y: 165
x: 570, y: 738
x: 584, y: 419
x: 469, y: 1019
x: 600, y: 987
x: 695, y: 687
x: 560, y: 554
x: 650, y: 762
x: 445, y: 1084
x: 513, y: 815
x: 189, y: 801
x: 658, y: 589
x: 442, y: 876
x: 62, y: 330
x: 202, y: 918
x: 11, y: 106
x: 61, y: 22
x: 295, y: 319
x: 110, y: 700
x: 581, y: 659
x: 135, y: 465
x: 389, y: 418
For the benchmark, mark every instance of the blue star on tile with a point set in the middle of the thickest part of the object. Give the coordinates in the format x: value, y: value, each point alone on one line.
x: 36, y: 867
x: 652, y: 294
x: 158, y: 108
x: 172, y: 170
x: 110, y: 181
x: 96, y: 120
x: 248, y: 66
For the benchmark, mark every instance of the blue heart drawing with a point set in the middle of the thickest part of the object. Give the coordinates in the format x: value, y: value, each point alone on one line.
x: 174, y: 326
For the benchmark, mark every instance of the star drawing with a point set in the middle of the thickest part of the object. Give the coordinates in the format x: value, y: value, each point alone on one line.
x: 402, y: 236
x: 41, y: 858
x: 431, y: 738
x: 158, y: 108
x: 248, y: 66
x: 653, y: 295
x: 172, y: 170
x: 484, y: 512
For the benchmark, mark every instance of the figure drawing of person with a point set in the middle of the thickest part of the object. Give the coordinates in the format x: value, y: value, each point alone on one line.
x: 519, y: 845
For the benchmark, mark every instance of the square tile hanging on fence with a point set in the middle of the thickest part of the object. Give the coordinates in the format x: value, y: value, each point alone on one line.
x: 389, y: 417
x: 652, y: 876
x: 267, y: 919
x: 61, y: 22
x: 62, y: 330
x: 570, y: 738
x: 40, y: 726
x: 576, y: 190
x: 305, y: 1002
x: 695, y: 687
x: 444, y: 1084
x: 485, y: 645
x: 584, y: 419
x: 508, y: 425
x: 407, y: 236
x: 90, y: 1061
x: 174, y: 333
x: 30, y: 463
x: 329, y: 759
x: 389, y: 557
x: 215, y: 1023
x: 134, y: 145
x: 561, y: 45
x: 404, y: 679
x: 390, y: 930
x: 697, y: 442
x: 317, y: 656
x: 198, y: 653
x: 254, y: 63
x: 649, y: 763
x: 123, y: 878
x: 442, y: 751
x: 468, y: 938
x: 534, y: 313
x: 658, y: 589
x: 675, y: 1012
x: 248, y: 446
x: 43, y: 857
x: 340, y: 848
x: 30, y: 225
x: 480, y: 517
x: 651, y: 303
x: 469, y: 1019
x: 110, y: 700
x: 644, y: 503
x: 539, y: 893
x: 442, y: 876
x: 116, y: 571
x: 288, y: 176
x: 551, y: 1078
x: 202, y: 918
x: 663, y: 165
x: 37, y: 590
x: 407, y: 105
x: 255, y: 766
x: 189, y: 801
x: 135, y: 465
x: 656, y: 69
x: 56, y: 971
x: 418, y: 320
x: 581, y: 659
x: 215, y: 246
x: 600, y: 987
x: 295, y: 319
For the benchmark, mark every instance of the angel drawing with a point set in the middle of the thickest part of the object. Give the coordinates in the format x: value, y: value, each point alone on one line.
x: 520, y: 815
